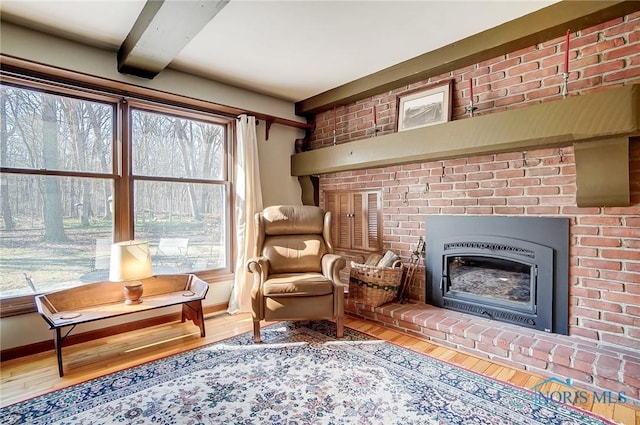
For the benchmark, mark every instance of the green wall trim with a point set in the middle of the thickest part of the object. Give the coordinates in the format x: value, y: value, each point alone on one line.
x: 602, y: 173
x: 601, y: 115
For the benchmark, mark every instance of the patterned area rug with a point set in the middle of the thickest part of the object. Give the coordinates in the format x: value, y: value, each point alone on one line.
x: 300, y: 375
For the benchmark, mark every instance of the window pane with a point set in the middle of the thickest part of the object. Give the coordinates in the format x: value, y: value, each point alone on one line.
x: 168, y: 146
x: 55, y: 232
x: 184, y: 224
x: 51, y: 132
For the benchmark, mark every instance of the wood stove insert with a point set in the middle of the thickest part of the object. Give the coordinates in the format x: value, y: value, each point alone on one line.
x: 511, y: 269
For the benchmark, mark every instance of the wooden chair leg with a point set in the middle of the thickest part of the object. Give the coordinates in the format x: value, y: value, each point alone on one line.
x: 256, y: 331
x: 339, y: 327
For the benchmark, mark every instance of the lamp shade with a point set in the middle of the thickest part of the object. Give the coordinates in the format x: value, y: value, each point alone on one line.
x: 130, y: 260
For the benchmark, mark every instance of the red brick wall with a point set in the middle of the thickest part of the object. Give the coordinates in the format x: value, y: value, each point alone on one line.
x: 605, y: 242
x: 601, y: 57
x: 604, y: 276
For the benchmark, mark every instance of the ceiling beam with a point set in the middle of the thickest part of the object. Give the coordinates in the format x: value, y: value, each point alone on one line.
x: 162, y: 30
x: 537, y: 27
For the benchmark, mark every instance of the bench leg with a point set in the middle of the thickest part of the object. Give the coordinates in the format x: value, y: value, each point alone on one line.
x: 193, y: 311
x: 58, y: 343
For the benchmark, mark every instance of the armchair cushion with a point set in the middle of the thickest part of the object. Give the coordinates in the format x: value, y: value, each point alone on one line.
x: 297, y: 285
x: 294, y: 253
x: 292, y: 220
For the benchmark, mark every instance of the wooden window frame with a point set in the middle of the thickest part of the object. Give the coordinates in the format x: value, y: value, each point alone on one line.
x: 69, y: 84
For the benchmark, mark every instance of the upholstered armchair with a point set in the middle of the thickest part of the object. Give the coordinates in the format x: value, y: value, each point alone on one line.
x: 295, y: 276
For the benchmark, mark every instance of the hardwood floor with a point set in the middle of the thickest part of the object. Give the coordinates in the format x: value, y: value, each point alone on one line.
x: 30, y: 376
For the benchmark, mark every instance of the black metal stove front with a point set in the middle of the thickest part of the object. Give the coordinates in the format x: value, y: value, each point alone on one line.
x: 511, y: 269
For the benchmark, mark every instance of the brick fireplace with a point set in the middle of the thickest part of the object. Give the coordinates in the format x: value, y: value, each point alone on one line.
x: 602, y: 348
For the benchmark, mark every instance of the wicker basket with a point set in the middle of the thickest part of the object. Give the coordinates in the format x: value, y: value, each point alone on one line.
x: 372, y: 285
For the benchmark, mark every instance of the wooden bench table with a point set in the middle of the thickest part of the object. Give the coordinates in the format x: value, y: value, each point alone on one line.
x: 104, y: 300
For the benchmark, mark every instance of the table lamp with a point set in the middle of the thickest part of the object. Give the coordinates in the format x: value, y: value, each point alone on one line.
x: 130, y: 262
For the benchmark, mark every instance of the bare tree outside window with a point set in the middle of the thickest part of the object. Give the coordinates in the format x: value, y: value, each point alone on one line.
x: 170, y: 147
x: 53, y: 228
x: 7, y: 215
x: 58, y: 186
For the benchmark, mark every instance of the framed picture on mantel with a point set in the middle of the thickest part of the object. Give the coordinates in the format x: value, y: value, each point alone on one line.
x: 424, y: 106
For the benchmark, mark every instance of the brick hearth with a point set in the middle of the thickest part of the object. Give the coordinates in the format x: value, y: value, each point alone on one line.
x: 590, y: 365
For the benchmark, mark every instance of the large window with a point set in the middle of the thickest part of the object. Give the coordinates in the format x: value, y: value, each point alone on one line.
x: 81, y: 169
x: 180, y: 189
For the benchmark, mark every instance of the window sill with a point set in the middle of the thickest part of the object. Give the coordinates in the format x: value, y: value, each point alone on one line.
x: 26, y: 304
x: 17, y: 305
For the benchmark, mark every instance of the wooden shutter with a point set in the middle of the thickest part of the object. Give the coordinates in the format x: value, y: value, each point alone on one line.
x: 357, y: 219
x: 374, y: 221
x: 344, y: 223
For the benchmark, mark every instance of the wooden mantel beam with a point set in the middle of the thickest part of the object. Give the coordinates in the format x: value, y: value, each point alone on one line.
x: 601, y: 115
x: 599, y: 126
x: 537, y: 27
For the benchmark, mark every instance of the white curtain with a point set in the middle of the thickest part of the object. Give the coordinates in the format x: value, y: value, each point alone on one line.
x: 248, y: 203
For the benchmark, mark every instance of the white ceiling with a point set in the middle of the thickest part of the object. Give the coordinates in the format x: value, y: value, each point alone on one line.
x: 289, y: 49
